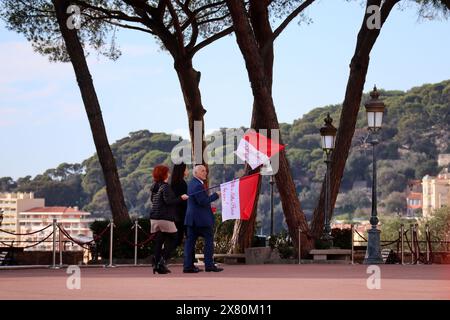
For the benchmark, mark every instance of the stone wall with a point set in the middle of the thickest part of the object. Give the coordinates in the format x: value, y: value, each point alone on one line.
x: 46, y: 258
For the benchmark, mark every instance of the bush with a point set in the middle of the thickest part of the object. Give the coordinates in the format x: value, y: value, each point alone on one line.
x: 342, y: 238
x: 283, y: 243
x: 123, y: 237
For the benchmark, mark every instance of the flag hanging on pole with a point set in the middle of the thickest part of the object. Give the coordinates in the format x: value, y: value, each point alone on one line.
x: 238, y: 197
x: 256, y: 149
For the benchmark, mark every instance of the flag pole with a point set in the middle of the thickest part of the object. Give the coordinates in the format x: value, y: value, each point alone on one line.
x: 218, y: 185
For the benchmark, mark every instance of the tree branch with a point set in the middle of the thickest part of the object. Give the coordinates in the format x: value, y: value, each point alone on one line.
x: 114, y: 14
x: 210, y: 5
x: 211, y: 39
x: 176, y: 23
x: 161, y: 9
x: 291, y: 17
x: 213, y: 19
x: 126, y: 26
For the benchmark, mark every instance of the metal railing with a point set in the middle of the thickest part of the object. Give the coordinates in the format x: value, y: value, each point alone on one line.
x: 420, y: 251
x: 58, y: 231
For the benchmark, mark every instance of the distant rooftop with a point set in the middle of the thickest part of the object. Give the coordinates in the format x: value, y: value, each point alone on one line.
x: 415, y: 196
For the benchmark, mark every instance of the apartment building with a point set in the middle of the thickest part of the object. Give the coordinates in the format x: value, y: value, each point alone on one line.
x: 12, y: 204
x: 23, y: 213
x: 436, y: 192
x: 73, y: 220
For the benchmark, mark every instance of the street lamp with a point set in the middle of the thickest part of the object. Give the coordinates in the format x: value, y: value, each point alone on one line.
x: 1, y: 216
x: 328, y: 134
x: 271, y: 204
x: 374, y: 110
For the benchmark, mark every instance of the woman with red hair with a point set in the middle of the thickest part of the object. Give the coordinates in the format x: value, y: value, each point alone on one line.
x: 162, y: 217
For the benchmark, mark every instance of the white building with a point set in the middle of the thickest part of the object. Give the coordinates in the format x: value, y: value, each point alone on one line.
x: 74, y: 221
x: 436, y: 192
x: 12, y: 204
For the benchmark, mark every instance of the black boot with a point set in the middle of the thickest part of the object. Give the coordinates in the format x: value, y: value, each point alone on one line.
x: 162, y: 267
x: 154, y: 264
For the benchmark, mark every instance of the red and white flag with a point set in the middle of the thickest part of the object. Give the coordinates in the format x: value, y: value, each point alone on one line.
x: 256, y: 149
x: 238, y: 197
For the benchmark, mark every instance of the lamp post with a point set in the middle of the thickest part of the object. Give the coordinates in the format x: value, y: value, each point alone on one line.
x: 374, y: 110
x: 328, y: 134
x: 1, y: 216
x: 271, y: 204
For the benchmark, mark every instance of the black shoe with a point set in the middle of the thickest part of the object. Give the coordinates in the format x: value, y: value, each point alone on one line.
x: 160, y: 271
x: 213, y: 269
x: 161, y: 267
x: 191, y: 270
x: 197, y: 268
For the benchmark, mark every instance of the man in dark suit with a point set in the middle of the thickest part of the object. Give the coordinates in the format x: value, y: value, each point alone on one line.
x: 199, y: 222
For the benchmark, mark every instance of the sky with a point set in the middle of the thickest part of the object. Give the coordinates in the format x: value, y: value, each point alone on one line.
x: 43, y: 121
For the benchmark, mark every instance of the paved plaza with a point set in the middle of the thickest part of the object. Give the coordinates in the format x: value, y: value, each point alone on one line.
x: 253, y: 282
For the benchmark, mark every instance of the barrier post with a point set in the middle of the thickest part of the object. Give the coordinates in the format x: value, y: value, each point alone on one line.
x: 111, y: 238
x: 60, y: 245
x: 353, y: 244
x: 417, y: 244
x: 54, y: 246
x: 299, y: 246
x: 427, y: 233
x: 412, y: 243
x: 402, y: 231
x: 135, y: 241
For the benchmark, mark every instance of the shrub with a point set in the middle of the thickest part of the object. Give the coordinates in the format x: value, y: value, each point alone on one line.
x: 283, y: 242
x: 342, y: 238
x: 123, y: 239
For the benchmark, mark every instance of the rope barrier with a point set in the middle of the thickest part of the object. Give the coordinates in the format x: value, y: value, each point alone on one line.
x: 390, y: 242
x: 361, y: 236
x: 140, y: 244
x: 8, y: 245
x: 81, y: 244
x: 26, y: 247
x: 25, y: 234
x: 33, y: 245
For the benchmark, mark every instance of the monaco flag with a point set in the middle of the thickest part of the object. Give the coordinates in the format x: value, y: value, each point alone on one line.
x: 256, y: 149
x: 238, y: 197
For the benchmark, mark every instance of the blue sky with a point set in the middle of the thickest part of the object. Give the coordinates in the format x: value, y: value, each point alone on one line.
x: 43, y: 122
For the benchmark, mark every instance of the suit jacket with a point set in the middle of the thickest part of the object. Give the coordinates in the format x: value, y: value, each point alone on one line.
x: 164, y: 202
x: 180, y: 189
x: 199, y: 211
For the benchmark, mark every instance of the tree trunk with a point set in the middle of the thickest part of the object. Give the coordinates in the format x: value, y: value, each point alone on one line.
x: 264, y: 113
x: 355, y: 86
x: 92, y: 106
x: 189, y: 79
x: 244, y: 229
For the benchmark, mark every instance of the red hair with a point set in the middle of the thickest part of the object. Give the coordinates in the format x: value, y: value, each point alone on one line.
x: 160, y: 173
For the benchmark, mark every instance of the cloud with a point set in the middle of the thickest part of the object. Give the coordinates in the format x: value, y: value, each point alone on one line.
x: 10, y: 116
x: 136, y: 50
x: 25, y: 65
x: 21, y: 93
